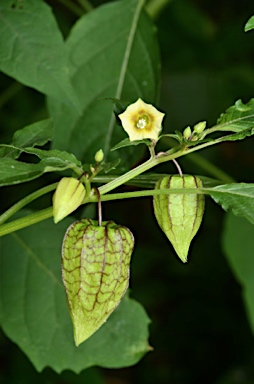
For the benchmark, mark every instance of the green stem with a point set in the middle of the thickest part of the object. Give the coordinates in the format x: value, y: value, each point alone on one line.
x: 72, y: 7
x: 122, y: 76
x: 26, y: 221
x: 86, y: 5
x: 138, y: 170
x: 204, y: 163
x: 44, y: 214
x: 9, y: 92
x: 202, y: 146
x: 153, y: 161
x: 26, y: 200
x: 155, y: 7
x: 152, y: 192
x: 210, y: 168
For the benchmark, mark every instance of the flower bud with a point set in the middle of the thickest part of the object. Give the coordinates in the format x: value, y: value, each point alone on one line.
x: 99, y: 156
x: 95, y: 272
x: 199, y: 127
x: 68, y: 196
x: 179, y: 215
x: 187, y: 133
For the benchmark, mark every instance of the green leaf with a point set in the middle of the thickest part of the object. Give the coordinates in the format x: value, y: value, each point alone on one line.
x: 107, y: 167
x: 127, y: 143
x: 238, y: 118
x: 32, y: 49
x: 38, y: 133
x: 54, y: 159
x: 15, y: 172
x: 238, y: 243
x: 113, y: 53
x: 249, y: 25
x: 34, y: 314
x: 177, y: 136
x: 238, y: 198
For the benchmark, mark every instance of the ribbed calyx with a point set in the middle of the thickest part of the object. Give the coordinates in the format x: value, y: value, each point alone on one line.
x: 179, y: 214
x: 95, y: 272
x: 68, y: 196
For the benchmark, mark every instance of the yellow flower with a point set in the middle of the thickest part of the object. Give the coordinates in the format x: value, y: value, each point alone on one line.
x: 142, y: 121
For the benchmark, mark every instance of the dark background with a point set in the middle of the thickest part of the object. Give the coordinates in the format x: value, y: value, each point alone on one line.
x: 199, y: 329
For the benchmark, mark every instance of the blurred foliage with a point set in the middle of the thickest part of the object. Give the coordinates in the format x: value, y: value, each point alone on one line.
x: 199, y: 331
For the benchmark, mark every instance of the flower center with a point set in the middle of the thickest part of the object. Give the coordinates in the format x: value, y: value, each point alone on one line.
x: 142, y: 122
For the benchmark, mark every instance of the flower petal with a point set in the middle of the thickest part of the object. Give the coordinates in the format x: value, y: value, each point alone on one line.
x: 142, y: 121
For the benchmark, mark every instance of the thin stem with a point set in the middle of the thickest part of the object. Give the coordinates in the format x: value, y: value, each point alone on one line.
x: 9, y: 92
x: 155, y: 7
x: 26, y: 221
x: 201, y: 146
x: 207, y: 165
x: 212, y: 169
x: 151, y: 149
x: 138, y: 170
x: 97, y: 192
x: 26, y: 200
x: 151, y: 192
x: 122, y: 76
x: 86, y: 5
x: 44, y: 214
x: 178, y: 167
x: 72, y: 7
x: 84, y: 179
x: 127, y: 176
x: 169, y: 155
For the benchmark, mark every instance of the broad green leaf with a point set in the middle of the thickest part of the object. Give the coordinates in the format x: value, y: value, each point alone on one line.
x: 236, y: 197
x: 34, y: 314
x: 38, y: 133
x: 249, y: 25
x: 14, y: 172
x: 32, y: 49
x: 113, y: 53
x: 238, y: 243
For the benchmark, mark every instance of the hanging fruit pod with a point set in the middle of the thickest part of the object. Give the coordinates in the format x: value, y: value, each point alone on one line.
x: 68, y: 196
x: 179, y: 215
x: 95, y: 272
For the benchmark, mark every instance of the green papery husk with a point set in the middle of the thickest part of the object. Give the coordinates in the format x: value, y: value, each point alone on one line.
x: 95, y: 272
x: 179, y: 215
